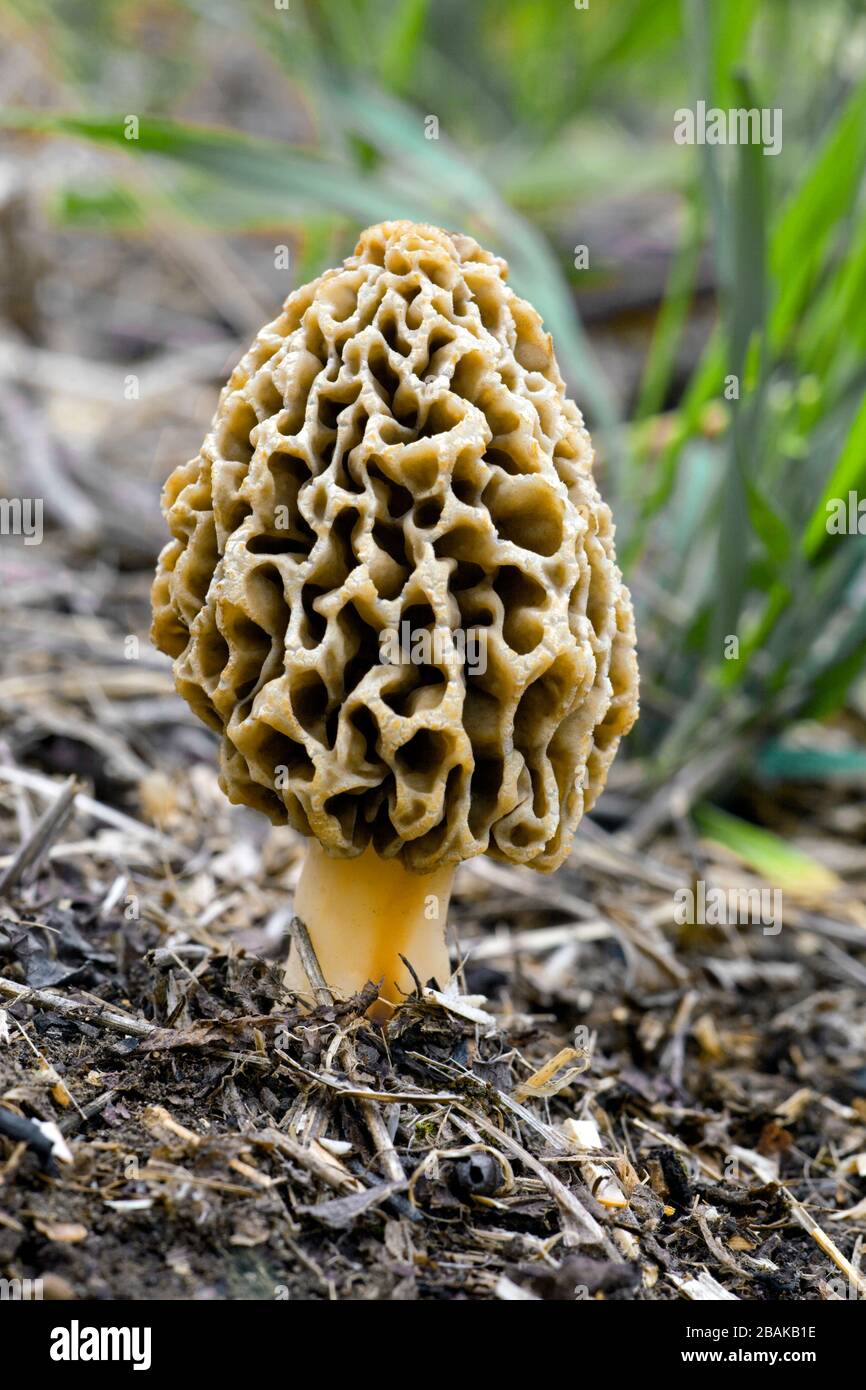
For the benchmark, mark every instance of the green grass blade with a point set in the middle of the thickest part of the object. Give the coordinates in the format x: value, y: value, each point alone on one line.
x: 244, y: 160
x: 821, y: 200
x: 848, y: 475
x: 776, y: 861
x: 401, y: 44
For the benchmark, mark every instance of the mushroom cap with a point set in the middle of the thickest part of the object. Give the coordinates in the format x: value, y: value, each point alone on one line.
x: 394, y: 470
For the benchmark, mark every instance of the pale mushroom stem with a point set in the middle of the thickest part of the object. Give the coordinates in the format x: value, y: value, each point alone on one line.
x: 362, y: 915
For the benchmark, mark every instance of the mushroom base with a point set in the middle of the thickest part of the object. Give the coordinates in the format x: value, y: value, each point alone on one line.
x: 362, y: 915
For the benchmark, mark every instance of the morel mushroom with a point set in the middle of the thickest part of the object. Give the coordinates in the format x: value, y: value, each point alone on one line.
x: 392, y: 591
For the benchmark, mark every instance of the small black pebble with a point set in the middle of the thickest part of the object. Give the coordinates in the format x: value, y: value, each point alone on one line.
x: 478, y: 1176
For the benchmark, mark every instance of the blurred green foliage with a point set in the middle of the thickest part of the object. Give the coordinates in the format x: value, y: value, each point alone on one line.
x: 544, y: 110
